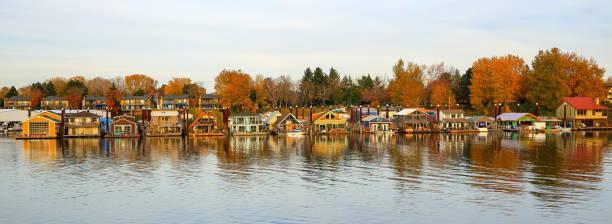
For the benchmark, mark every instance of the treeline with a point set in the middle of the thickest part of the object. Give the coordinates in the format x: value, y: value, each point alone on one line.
x: 505, y: 80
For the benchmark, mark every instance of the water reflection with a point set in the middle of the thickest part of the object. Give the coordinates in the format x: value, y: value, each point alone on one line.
x: 556, y: 169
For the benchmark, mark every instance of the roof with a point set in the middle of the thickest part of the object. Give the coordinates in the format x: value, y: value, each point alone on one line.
x: 95, y: 98
x: 479, y: 119
x: 513, y: 116
x: 454, y: 111
x: 245, y: 114
x: 54, y: 98
x: 583, y: 103
x: 117, y: 119
x: 43, y: 116
x: 268, y: 116
x: 145, y: 97
x: 19, y: 98
x: 210, y: 96
x: 406, y: 112
x: 11, y: 115
x: 374, y: 118
x: 323, y: 113
x: 82, y: 114
x: 164, y: 113
x: 173, y: 97
x: 549, y: 119
x: 283, y: 117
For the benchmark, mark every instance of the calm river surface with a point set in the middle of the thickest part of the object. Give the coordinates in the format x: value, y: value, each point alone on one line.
x: 486, y: 178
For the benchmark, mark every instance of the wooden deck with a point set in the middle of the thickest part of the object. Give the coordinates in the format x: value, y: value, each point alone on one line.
x: 210, y: 134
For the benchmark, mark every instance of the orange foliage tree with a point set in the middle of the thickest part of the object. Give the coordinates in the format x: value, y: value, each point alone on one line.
x: 175, y: 86
x: 556, y: 74
x: 496, y: 80
x: 137, y: 82
x: 406, y: 87
x: 234, y: 87
x: 98, y: 86
x: 441, y: 93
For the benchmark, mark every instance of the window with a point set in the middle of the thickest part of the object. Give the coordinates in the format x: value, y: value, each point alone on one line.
x: 581, y: 112
x: 253, y: 128
x: 39, y: 128
x: 123, y: 129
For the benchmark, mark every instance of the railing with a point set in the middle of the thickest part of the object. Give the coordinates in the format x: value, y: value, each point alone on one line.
x: 72, y: 124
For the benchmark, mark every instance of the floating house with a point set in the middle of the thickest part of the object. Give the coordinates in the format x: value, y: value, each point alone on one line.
x: 82, y: 124
x: 480, y: 122
x: 515, y: 121
x: 136, y: 103
x: 582, y: 112
x: 410, y: 120
x: 18, y: 102
x: 286, y: 122
x: 210, y: 101
x: 376, y: 124
x: 205, y: 124
x: 42, y: 125
x: 174, y: 101
x: 246, y: 123
x: 54, y: 103
x: 328, y: 122
x: 164, y: 122
x: 123, y: 127
x: 452, y: 119
x: 10, y: 119
x: 94, y: 102
x: 389, y: 111
x: 269, y: 118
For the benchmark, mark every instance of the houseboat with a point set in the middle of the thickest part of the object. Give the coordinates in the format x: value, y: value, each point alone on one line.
x: 164, y: 122
x: 82, y: 124
x: 411, y: 121
x: 123, y: 126
x: 205, y: 124
x: 246, y: 123
x: 452, y: 120
x: 517, y: 122
x: 42, y: 125
x: 328, y: 122
x: 376, y: 125
x: 480, y: 123
x: 288, y: 124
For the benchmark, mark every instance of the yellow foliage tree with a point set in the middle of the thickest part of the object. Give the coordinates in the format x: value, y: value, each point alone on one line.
x: 175, y: 86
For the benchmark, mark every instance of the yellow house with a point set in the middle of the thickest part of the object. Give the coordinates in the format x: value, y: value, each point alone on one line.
x: 42, y: 125
x: 582, y: 112
x: 135, y: 103
x: 328, y: 122
x: 165, y: 122
x: 54, y: 103
x: 17, y: 102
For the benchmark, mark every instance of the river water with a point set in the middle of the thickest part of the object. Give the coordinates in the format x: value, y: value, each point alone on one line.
x: 475, y: 178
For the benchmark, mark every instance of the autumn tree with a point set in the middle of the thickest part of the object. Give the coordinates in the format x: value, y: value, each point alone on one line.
x: 113, y: 99
x: 234, y: 87
x: 441, y: 93
x: 556, y: 74
x: 175, y: 86
x: 36, y: 94
x: 60, y: 84
x: 496, y: 80
x: 137, y: 82
x: 406, y: 87
x: 194, y: 91
x: 74, y: 91
x: 98, y: 86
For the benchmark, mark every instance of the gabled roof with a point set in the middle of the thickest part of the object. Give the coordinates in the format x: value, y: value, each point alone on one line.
x: 210, y: 96
x: 319, y: 115
x: 284, y: 117
x: 583, y: 103
x: 454, y: 111
x: 202, y: 116
x: 514, y: 116
x: 19, y: 98
x: 480, y: 119
x: 408, y: 111
x: 117, y: 119
x: 82, y: 114
x: 125, y: 117
x: 43, y: 116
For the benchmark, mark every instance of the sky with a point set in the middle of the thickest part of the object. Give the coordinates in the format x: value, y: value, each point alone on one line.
x: 198, y: 39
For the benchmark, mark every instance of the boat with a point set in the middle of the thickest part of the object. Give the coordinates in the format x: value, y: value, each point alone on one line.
x: 295, y: 133
x: 483, y: 129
